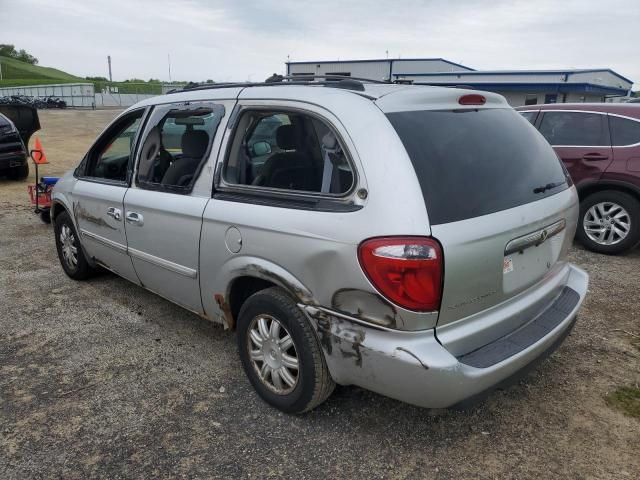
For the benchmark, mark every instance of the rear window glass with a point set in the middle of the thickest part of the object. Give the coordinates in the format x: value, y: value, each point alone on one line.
x: 624, y: 131
x: 475, y: 162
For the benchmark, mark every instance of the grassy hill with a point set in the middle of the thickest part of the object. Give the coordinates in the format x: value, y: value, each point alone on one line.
x: 15, y: 72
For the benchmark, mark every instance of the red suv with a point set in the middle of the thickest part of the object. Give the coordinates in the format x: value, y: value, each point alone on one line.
x: 599, y: 144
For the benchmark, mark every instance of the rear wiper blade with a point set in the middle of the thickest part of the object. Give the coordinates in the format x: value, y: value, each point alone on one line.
x: 548, y: 186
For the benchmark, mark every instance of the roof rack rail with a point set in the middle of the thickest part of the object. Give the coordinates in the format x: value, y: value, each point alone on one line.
x: 335, y: 81
x: 333, y: 77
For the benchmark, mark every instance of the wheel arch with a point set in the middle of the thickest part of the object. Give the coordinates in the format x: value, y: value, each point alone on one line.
x: 247, y: 275
x: 589, y: 188
x: 57, y: 207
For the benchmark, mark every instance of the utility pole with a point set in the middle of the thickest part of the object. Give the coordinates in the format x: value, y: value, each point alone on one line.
x: 109, y: 63
x: 169, y: 62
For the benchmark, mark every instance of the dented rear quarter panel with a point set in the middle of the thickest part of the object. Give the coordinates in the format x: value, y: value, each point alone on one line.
x: 318, y: 249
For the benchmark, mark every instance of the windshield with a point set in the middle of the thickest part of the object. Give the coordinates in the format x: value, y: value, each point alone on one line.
x: 475, y: 162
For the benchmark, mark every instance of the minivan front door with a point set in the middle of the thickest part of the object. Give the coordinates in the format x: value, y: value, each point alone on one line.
x: 163, y: 208
x: 581, y: 140
x: 98, y: 195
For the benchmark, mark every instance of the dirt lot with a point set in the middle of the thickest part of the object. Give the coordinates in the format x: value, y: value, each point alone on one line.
x: 103, y: 379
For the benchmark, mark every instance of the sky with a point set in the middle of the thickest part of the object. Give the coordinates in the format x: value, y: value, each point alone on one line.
x: 250, y: 40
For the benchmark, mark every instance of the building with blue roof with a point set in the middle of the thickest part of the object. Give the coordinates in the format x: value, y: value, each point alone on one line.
x: 520, y: 87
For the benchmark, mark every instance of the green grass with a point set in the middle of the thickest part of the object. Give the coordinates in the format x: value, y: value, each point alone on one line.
x: 15, y: 70
x: 625, y: 399
x: 27, y: 82
x: 19, y: 74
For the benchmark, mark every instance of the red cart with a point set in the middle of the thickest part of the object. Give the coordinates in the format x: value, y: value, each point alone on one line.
x: 40, y: 192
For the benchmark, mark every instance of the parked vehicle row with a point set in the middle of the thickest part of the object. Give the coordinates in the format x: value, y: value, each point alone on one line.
x: 410, y: 240
x: 600, y: 146
x: 37, y: 102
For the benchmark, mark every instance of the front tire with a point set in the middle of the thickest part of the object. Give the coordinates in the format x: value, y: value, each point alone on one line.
x: 609, y: 222
x: 280, y: 353
x: 70, y: 253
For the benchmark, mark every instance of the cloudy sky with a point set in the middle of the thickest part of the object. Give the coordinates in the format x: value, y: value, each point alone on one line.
x: 249, y: 40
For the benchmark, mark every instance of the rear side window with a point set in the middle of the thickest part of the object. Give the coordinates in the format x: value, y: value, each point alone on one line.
x: 288, y: 151
x: 624, y: 131
x: 575, y: 128
x: 475, y: 162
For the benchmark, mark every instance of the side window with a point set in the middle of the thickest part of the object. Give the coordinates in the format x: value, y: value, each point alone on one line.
x: 177, y: 142
x: 624, y: 131
x: 530, y: 116
x: 109, y: 157
x: 574, y: 128
x: 287, y: 151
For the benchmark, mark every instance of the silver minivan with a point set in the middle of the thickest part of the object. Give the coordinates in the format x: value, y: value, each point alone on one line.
x: 407, y: 239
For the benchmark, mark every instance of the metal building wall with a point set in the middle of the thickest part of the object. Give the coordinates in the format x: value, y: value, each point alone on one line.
x: 79, y: 95
x: 375, y: 69
x: 488, y: 77
x: 600, y: 77
x: 436, y: 65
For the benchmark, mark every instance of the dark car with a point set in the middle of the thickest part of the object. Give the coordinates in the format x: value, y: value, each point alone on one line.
x: 17, y: 124
x: 599, y: 144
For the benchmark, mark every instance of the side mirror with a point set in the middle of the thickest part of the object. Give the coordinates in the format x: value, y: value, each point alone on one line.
x: 260, y: 148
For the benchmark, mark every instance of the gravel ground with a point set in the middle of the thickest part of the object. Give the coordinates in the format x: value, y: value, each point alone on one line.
x: 103, y: 379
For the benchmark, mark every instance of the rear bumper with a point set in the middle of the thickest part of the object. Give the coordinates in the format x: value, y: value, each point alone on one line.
x: 416, y: 368
x: 12, y: 159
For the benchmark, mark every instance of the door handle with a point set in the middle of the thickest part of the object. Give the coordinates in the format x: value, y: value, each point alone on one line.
x: 135, y: 218
x: 594, y: 156
x: 116, y: 213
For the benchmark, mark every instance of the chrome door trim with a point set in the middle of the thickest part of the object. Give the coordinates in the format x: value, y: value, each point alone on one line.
x: 535, y: 238
x: 161, y: 262
x: 104, y: 241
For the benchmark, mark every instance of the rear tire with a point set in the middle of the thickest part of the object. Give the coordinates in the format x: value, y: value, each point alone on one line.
x: 19, y: 173
x: 70, y: 252
x: 609, y: 222
x: 266, y: 353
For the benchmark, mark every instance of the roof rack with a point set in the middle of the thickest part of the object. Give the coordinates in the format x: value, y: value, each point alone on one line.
x: 334, y: 81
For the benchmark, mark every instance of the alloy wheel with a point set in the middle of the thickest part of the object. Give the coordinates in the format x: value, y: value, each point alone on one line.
x: 68, y: 246
x: 607, y: 223
x: 273, y: 354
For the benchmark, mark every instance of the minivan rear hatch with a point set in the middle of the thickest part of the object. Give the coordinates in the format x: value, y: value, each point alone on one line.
x: 497, y: 198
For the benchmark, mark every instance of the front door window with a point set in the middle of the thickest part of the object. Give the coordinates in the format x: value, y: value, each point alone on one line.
x: 110, y: 157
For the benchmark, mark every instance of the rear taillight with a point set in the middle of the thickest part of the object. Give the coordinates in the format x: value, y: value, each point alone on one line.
x: 406, y: 270
x: 472, y: 99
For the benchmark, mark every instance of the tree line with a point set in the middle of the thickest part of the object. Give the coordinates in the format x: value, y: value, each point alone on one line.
x: 7, y: 50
